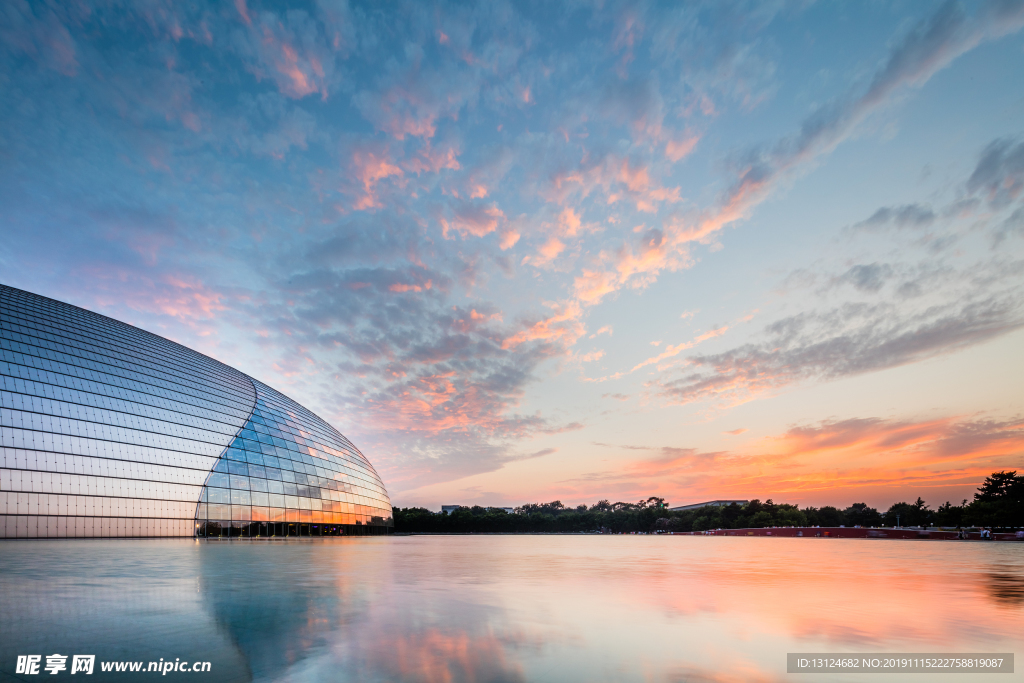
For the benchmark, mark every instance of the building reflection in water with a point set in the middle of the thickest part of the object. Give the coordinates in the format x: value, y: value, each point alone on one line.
x: 463, y: 609
x: 335, y: 610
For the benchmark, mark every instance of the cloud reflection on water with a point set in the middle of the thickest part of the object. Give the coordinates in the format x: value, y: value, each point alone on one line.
x: 505, y: 609
x: 463, y: 609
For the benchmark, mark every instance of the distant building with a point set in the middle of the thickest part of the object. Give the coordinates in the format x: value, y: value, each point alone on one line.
x: 710, y: 503
x: 510, y: 511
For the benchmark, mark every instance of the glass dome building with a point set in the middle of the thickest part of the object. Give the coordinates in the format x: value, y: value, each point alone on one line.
x: 110, y: 431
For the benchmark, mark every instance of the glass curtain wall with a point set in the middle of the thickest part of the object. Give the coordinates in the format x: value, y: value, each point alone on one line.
x: 107, y: 430
x: 289, y: 473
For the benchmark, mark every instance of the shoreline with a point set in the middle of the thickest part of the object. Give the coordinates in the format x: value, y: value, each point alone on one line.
x: 769, y: 532
x: 854, y: 532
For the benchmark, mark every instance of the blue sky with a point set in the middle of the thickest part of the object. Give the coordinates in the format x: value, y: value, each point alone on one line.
x: 523, y: 252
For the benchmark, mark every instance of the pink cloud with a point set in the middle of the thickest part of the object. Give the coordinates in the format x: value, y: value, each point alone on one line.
x: 592, y: 285
x: 429, y: 160
x: 370, y: 168
x: 635, y: 178
x: 569, y: 222
x: 243, y: 11
x: 472, y: 219
x: 678, y: 149
x: 550, y: 250
x: 291, y: 50
x: 180, y: 296
x: 299, y: 76
x: 36, y: 30
x: 509, y: 237
x: 402, y: 288
x: 62, y: 50
x: 414, y: 99
x: 404, y: 114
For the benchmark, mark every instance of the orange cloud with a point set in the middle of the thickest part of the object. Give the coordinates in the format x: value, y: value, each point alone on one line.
x: 638, y: 183
x: 838, y: 462
x: 616, y: 177
x: 638, y: 265
x: 563, y: 326
x: 676, y: 349
x: 567, y: 226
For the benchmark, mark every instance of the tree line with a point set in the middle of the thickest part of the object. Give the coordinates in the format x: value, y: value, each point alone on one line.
x: 998, y: 503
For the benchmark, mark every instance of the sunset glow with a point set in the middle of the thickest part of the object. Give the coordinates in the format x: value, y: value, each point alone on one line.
x: 521, y: 254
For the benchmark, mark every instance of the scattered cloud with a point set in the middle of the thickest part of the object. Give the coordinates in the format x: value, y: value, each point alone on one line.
x: 999, y: 175
x: 848, y: 340
x: 345, y: 200
x: 906, y: 216
x: 868, y: 278
x: 928, y: 47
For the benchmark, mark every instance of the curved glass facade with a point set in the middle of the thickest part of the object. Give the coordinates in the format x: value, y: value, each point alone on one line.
x: 107, y: 430
x: 288, y: 468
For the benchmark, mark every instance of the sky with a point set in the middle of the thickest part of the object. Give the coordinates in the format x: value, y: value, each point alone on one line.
x: 523, y: 252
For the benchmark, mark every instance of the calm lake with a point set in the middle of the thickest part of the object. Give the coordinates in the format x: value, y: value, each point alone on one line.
x: 507, y: 608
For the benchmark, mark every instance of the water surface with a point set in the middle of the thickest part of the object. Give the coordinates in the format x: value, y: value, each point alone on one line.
x: 508, y: 608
